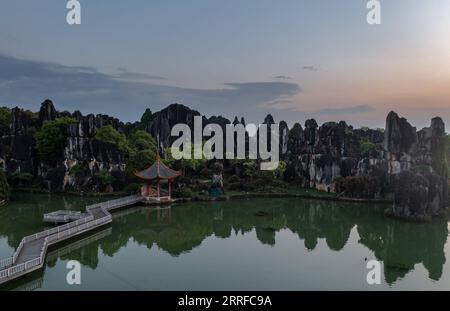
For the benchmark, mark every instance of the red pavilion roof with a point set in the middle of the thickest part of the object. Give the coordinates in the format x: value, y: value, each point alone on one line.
x: 158, y: 171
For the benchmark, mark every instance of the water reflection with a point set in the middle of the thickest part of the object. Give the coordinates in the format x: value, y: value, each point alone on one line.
x: 179, y: 230
x: 182, y: 228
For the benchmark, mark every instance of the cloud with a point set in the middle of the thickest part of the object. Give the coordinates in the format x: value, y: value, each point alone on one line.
x: 283, y: 78
x: 26, y: 83
x: 124, y: 74
x: 280, y: 104
x: 344, y: 110
x: 310, y: 68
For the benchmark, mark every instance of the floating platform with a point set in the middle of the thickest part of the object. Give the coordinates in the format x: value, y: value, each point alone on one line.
x: 63, y: 217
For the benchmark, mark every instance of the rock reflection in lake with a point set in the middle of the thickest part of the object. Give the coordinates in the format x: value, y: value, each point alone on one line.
x: 183, y: 229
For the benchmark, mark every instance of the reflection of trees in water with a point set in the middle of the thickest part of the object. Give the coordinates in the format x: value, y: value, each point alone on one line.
x: 180, y: 229
x: 321, y: 220
x: 173, y: 230
x: 403, y: 245
x: 23, y: 216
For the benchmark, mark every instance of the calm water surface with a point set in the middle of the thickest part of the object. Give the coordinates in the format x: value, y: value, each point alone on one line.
x: 297, y: 245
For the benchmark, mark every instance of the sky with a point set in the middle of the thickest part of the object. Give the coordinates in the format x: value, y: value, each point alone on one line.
x: 294, y: 59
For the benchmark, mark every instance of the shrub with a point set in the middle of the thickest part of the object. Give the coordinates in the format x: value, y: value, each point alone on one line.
x: 4, y: 187
x: 365, y: 147
x: 235, y: 186
x: 132, y: 188
x: 79, y: 170
x: 105, y: 178
x: 233, y: 179
x: 421, y: 168
x: 185, y: 192
x: 273, y: 175
x: 205, y: 172
x: 21, y: 179
x: 356, y: 186
x: 248, y: 168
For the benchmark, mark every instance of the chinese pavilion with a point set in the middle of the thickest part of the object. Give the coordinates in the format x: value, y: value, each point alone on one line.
x: 157, y: 173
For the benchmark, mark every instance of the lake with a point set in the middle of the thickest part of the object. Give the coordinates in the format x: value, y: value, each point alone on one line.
x: 255, y: 244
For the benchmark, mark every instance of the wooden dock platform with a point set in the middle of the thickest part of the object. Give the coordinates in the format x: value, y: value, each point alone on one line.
x: 32, y: 251
x: 63, y: 217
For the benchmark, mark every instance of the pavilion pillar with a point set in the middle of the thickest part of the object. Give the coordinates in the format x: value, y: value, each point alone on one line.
x: 170, y: 188
x: 158, y: 190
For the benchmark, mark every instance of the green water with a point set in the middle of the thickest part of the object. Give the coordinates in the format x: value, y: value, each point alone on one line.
x: 258, y: 244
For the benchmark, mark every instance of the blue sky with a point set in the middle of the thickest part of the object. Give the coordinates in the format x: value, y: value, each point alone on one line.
x: 295, y: 59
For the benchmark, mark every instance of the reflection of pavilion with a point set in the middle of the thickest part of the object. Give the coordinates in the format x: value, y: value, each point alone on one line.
x: 161, y: 174
x: 163, y: 217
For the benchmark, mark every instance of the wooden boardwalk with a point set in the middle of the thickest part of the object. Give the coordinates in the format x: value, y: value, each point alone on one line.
x: 31, y: 253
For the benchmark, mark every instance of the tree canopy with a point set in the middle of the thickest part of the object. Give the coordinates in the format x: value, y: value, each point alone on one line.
x: 51, y: 139
x: 143, y: 151
x: 110, y: 135
x: 5, y: 119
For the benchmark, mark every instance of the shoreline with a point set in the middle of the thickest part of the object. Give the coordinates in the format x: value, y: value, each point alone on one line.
x: 70, y: 193
x: 252, y: 195
x: 235, y: 196
x: 313, y: 195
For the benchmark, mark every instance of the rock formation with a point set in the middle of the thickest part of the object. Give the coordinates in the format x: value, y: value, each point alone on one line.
x: 17, y: 149
x: 420, y: 174
x: 399, y: 163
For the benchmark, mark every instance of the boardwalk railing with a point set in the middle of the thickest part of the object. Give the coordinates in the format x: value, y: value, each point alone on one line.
x: 19, y: 249
x: 6, y: 262
x: 58, y: 229
x: 60, y: 233
x: 51, y: 239
x: 108, y: 205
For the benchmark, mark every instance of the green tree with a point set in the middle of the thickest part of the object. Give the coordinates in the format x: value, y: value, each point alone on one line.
x: 143, y: 151
x: 364, y: 128
x: 141, y: 140
x: 5, y: 119
x: 147, y: 117
x: 272, y: 174
x: 279, y: 171
x: 105, y: 178
x: 140, y: 160
x: 51, y: 139
x: 365, y: 146
x: 186, y: 165
x: 110, y: 135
